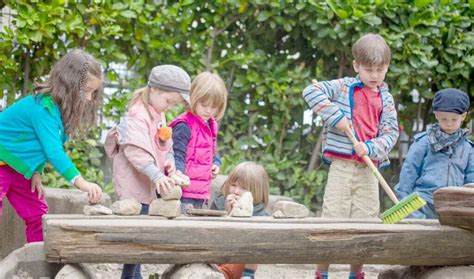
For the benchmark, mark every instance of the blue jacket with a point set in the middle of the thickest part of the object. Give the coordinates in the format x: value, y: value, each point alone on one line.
x: 32, y: 133
x: 332, y: 100
x: 425, y: 171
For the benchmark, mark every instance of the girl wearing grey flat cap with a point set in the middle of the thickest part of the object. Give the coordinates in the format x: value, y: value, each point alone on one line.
x: 141, y: 146
x: 440, y: 157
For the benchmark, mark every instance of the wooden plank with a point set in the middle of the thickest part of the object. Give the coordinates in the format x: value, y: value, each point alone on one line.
x: 147, y: 239
x: 255, y: 219
x: 455, y: 206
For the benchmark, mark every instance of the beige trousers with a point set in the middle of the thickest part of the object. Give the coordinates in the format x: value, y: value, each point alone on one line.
x: 351, y: 191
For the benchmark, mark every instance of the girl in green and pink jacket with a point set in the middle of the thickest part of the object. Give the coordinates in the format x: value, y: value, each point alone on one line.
x: 34, y: 129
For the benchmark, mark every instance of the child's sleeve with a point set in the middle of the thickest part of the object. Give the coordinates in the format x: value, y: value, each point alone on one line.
x: 469, y: 173
x: 47, y: 131
x: 411, y: 169
x: 143, y: 161
x: 170, y: 156
x: 216, y: 159
x: 181, y: 137
x: 218, y: 202
x: 380, y: 147
x: 320, y: 97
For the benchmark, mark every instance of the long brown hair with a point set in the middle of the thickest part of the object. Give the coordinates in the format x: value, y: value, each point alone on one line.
x: 65, y: 83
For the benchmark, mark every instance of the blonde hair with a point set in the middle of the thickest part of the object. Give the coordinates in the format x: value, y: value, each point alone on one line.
x: 65, y: 84
x: 371, y: 50
x: 252, y: 177
x: 142, y: 94
x: 208, y: 87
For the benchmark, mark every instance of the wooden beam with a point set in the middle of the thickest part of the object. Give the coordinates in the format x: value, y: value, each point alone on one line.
x: 455, y: 206
x: 150, y: 239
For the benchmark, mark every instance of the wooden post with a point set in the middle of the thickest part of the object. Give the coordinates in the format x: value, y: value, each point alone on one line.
x: 455, y: 206
x: 149, y: 239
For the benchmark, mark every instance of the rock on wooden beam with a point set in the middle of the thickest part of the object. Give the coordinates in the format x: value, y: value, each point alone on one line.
x: 147, y: 239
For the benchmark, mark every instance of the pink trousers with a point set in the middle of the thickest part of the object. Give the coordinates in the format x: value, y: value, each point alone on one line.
x: 29, y: 207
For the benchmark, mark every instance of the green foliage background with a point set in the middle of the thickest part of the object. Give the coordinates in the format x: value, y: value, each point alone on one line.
x: 266, y: 51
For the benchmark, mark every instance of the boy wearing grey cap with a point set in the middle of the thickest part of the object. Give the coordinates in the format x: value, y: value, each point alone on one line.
x: 440, y: 157
x: 141, y: 154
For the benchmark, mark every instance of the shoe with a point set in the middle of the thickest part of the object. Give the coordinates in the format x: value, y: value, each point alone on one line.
x: 318, y: 275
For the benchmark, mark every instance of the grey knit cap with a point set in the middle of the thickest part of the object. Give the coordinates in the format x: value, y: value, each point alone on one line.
x: 170, y: 78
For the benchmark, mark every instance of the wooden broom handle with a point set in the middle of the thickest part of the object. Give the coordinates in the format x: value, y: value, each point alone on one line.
x: 374, y: 169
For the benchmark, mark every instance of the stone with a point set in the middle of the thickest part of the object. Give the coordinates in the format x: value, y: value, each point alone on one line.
x: 97, y: 210
x: 166, y: 208
x: 71, y: 272
x: 175, y: 194
x: 290, y: 210
x: 28, y: 261
x: 126, y: 207
x: 278, y: 214
x: 180, y: 179
x: 191, y: 271
x: 243, y: 207
x: 427, y: 272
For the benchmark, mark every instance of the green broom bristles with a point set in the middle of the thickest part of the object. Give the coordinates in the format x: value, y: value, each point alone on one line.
x: 405, y: 207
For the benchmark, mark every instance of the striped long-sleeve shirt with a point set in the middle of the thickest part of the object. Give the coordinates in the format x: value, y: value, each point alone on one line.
x: 332, y: 100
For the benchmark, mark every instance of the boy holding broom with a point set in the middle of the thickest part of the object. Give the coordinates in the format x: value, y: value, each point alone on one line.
x: 361, y: 105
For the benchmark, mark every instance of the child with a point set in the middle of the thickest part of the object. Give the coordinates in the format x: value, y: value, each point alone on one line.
x: 34, y: 129
x: 246, y: 176
x: 140, y: 158
x: 363, y: 106
x: 195, y: 136
x: 440, y: 157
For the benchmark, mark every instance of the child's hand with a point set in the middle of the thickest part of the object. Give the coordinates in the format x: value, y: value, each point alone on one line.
x: 164, y: 185
x: 215, y: 171
x: 94, y: 192
x: 343, y: 125
x: 361, y: 149
x: 230, y: 201
x: 169, y: 167
x: 37, y: 185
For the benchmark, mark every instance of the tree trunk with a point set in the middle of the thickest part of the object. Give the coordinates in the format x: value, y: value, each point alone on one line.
x: 26, y: 73
x: 314, y: 161
x: 147, y: 239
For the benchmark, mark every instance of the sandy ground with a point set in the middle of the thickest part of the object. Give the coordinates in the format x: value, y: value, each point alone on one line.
x: 265, y: 271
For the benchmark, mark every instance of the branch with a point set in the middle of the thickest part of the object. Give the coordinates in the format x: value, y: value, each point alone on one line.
x: 214, y: 34
x: 26, y: 72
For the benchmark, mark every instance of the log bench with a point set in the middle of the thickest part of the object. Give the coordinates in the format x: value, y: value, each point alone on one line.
x: 151, y: 239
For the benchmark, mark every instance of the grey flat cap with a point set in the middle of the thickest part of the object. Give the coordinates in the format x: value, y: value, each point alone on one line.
x: 451, y: 100
x: 171, y: 78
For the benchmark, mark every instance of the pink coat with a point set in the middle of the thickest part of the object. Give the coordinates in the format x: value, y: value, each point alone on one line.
x: 136, y: 130
x: 199, y: 155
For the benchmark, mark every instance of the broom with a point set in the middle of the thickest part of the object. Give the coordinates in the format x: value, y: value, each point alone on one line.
x: 402, y: 208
